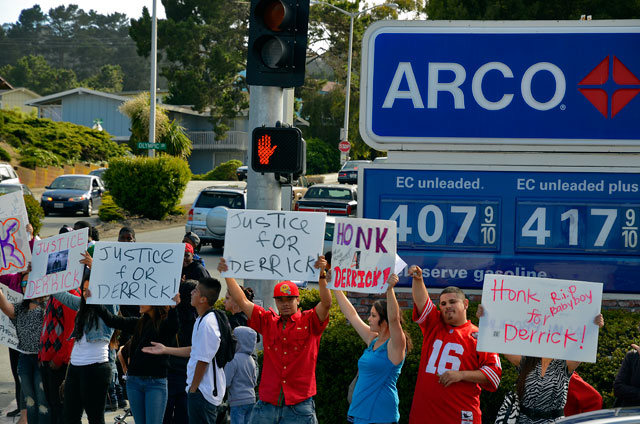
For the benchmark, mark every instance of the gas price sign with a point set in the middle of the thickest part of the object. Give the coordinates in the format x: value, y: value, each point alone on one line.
x: 460, y: 225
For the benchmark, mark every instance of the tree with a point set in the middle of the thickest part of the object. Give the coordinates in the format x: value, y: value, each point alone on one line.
x: 35, y: 73
x: 204, y: 46
x: 109, y: 78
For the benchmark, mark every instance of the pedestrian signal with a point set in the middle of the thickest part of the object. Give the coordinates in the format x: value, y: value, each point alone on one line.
x: 278, y: 150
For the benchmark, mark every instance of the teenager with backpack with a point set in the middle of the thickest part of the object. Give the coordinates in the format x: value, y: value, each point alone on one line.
x: 211, y: 332
x: 291, y: 341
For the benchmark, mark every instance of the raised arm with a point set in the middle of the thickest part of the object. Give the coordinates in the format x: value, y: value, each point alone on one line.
x: 352, y: 316
x: 6, y: 307
x: 115, y: 321
x: 398, y: 341
x: 322, y: 308
x: 235, y: 291
x: 418, y: 289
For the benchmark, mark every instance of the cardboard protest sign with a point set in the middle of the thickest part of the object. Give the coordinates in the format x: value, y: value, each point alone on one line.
x: 14, y: 240
x: 363, y: 254
x: 8, y: 336
x: 273, y: 245
x: 55, y: 265
x: 540, y: 317
x: 135, y: 273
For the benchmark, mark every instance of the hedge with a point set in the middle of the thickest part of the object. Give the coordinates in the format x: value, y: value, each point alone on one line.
x: 224, y: 172
x: 109, y: 211
x: 341, y: 347
x: 149, y: 187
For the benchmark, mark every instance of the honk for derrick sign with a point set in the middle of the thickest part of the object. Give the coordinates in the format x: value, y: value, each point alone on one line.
x: 540, y: 317
x: 135, y: 273
x: 363, y: 254
x: 55, y: 265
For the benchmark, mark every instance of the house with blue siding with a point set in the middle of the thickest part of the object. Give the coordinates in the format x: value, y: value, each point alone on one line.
x: 83, y: 106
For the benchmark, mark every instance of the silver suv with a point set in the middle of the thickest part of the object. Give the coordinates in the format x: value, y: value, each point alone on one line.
x: 8, y: 175
x: 208, y: 215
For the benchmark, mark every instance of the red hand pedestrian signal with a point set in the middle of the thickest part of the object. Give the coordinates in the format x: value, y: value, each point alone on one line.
x: 265, y: 150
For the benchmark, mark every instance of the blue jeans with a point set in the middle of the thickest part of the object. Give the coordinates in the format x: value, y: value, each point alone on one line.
x: 241, y: 414
x: 300, y: 413
x: 200, y: 410
x: 33, y: 389
x: 147, y: 398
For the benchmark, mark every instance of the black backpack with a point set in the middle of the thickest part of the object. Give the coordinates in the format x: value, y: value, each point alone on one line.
x: 228, y: 342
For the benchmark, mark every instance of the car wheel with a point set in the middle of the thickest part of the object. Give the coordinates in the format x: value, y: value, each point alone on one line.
x: 89, y: 209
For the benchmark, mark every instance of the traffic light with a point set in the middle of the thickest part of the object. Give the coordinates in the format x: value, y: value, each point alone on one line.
x: 277, y: 42
x: 279, y: 150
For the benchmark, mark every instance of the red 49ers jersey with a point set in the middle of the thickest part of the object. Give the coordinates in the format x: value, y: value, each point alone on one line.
x: 447, y: 348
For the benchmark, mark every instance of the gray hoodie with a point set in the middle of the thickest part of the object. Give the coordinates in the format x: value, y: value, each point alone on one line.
x: 241, y: 372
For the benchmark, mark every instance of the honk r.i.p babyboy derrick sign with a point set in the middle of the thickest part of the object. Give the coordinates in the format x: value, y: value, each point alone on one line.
x: 363, y: 254
x: 540, y: 317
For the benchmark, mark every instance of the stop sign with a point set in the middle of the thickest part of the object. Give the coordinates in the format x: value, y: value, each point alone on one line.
x: 344, y: 146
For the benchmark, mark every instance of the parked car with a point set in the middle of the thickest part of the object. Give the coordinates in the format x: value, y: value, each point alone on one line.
x: 241, y: 172
x: 330, y: 198
x: 100, y: 174
x: 73, y: 193
x: 605, y: 416
x: 10, y: 188
x: 208, y: 216
x: 8, y: 175
x: 348, y: 174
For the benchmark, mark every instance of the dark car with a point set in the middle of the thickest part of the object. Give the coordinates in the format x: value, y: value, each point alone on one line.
x: 332, y: 199
x: 605, y: 416
x: 100, y: 174
x: 349, y: 172
x: 73, y: 193
x: 241, y: 172
x: 10, y: 188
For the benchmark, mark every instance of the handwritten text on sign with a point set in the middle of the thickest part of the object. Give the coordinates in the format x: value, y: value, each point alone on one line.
x: 363, y: 254
x: 14, y: 241
x: 135, y: 273
x: 269, y: 245
x: 540, y: 317
x: 55, y: 266
x: 8, y: 336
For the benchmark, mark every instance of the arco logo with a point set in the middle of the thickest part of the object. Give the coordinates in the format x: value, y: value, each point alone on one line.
x: 597, y: 85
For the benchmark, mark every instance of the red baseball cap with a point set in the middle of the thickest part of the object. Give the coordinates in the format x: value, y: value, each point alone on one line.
x: 286, y: 288
x: 188, y: 248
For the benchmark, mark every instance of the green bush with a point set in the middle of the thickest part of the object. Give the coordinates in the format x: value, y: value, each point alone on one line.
x: 109, y: 211
x: 150, y: 187
x: 35, y: 213
x: 321, y: 157
x: 223, y: 172
x: 4, y: 155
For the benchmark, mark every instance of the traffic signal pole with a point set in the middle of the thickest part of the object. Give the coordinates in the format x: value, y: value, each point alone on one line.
x: 263, y: 191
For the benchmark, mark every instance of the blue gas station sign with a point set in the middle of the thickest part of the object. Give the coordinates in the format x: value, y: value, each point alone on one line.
x: 517, y: 83
x: 459, y: 225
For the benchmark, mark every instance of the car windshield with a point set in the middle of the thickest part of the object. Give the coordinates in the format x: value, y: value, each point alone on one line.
x: 208, y: 199
x: 6, y: 188
x: 72, y: 183
x: 328, y: 193
x: 352, y: 165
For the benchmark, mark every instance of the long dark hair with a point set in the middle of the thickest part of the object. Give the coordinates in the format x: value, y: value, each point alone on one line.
x: 381, y: 308
x: 527, y: 364
x: 153, y: 318
x: 87, y: 317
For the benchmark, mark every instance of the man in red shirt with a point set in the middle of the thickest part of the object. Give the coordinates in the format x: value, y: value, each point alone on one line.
x: 452, y: 373
x: 291, y: 340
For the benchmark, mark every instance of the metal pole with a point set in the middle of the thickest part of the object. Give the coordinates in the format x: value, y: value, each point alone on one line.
x: 348, y: 95
x: 265, y: 108
x: 152, y: 89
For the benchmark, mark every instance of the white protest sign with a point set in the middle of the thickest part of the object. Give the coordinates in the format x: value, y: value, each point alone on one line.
x: 273, y: 245
x: 55, y: 265
x: 540, y: 317
x: 363, y: 254
x: 15, y: 253
x: 8, y: 336
x: 135, y: 273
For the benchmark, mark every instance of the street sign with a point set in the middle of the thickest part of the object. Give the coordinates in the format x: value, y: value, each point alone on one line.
x: 518, y: 83
x: 459, y: 225
x: 154, y: 146
x: 344, y: 146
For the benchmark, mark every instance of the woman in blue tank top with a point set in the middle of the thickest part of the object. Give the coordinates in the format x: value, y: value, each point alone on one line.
x: 375, y: 397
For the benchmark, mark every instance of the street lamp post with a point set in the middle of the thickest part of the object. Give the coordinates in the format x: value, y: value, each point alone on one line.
x: 352, y: 16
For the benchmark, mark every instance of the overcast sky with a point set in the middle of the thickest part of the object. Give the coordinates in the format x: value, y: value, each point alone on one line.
x: 10, y: 9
